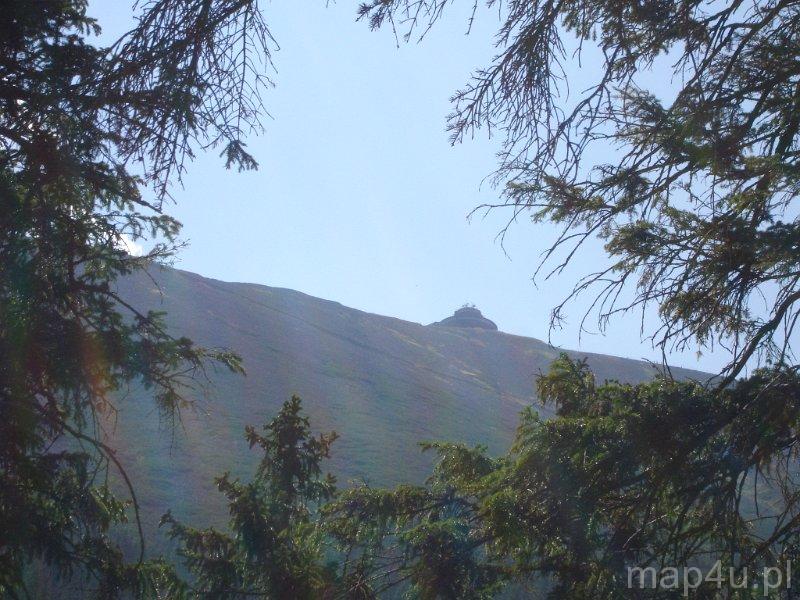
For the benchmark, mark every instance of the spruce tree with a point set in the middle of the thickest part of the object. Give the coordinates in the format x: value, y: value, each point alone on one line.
x: 91, y: 139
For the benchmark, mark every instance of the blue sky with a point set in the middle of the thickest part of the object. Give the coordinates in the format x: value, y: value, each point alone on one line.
x: 360, y: 198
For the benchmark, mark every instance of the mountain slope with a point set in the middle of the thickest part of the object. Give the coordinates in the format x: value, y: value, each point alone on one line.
x: 382, y: 383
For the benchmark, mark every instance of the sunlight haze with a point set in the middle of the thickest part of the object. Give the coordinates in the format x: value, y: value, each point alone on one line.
x: 360, y: 198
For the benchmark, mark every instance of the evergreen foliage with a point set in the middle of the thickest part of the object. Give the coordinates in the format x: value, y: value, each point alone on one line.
x: 90, y: 140
x: 693, y: 199
x: 689, y: 184
x: 694, y: 208
x: 274, y: 548
x: 662, y: 474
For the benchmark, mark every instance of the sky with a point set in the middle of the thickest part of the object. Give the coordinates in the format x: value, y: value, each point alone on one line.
x: 359, y: 196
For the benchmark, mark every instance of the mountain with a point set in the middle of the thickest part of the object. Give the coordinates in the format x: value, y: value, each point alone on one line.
x: 382, y: 383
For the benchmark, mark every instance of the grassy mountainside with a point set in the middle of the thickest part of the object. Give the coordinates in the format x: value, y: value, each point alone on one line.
x: 384, y: 384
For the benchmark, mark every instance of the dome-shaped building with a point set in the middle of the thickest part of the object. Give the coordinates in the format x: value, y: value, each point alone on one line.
x: 467, y: 316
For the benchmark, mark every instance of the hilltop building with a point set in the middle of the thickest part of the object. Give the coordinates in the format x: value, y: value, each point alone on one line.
x: 467, y: 316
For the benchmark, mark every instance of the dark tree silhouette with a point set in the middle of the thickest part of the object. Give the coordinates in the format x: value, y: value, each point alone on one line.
x: 275, y: 545
x: 694, y: 201
x: 90, y: 140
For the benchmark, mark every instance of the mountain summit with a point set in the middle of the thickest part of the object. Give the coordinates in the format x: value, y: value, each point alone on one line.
x: 467, y: 316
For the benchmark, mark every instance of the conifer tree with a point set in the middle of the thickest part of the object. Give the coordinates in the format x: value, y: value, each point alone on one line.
x: 275, y: 546
x: 91, y: 139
